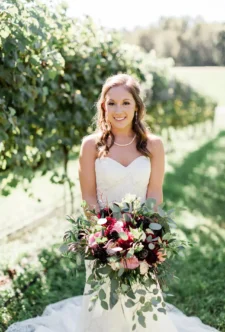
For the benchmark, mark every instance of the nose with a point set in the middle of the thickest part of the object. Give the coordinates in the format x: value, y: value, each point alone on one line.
x: 118, y: 109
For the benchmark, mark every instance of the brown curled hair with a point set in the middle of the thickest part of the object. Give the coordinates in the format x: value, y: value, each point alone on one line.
x: 104, y: 129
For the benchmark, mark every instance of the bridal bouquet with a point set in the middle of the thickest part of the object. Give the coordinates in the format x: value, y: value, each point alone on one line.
x: 129, y: 245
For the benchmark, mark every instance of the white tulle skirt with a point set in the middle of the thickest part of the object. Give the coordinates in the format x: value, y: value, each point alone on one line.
x: 72, y: 315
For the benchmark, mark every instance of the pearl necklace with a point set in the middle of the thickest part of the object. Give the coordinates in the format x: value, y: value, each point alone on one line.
x: 128, y: 143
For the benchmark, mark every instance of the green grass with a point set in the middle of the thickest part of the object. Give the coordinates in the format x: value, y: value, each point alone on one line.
x: 198, y: 183
x: 208, y: 80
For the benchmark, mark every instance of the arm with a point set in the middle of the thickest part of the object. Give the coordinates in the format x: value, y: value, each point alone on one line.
x: 155, y: 185
x: 86, y: 171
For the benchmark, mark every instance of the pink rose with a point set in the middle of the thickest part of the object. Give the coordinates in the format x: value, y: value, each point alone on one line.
x: 117, y: 227
x: 91, y: 241
x: 130, y: 263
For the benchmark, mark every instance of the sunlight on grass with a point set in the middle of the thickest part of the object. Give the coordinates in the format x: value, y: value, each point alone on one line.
x: 197, y: 183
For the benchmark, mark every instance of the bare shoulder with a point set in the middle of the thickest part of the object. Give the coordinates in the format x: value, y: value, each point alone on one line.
x: 155, y: 144
x: 88, y: 144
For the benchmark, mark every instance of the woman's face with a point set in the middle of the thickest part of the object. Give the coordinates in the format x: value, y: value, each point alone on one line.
x: 120, y: 107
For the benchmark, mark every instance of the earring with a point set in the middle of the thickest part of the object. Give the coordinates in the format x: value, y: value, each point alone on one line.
x: 136, y: 117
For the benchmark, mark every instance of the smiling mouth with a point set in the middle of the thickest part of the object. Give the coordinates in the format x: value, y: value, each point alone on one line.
x: 120, y: 119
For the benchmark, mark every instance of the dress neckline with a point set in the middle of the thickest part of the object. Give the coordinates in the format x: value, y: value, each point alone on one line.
x: 117, y: 162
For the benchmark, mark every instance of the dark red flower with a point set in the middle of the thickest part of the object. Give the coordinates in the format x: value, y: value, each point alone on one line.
x: 125, y: 244
x: 152, y: 257
x: 109, y: 225
x: 100, y: 253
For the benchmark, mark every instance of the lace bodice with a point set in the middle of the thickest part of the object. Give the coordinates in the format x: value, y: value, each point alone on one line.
x: 114, y: 181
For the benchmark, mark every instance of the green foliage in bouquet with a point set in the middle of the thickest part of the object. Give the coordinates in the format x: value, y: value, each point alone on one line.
x: 128, y: 246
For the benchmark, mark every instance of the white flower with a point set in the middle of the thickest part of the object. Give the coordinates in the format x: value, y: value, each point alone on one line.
x: 102, y: 221
x: 144, y: 267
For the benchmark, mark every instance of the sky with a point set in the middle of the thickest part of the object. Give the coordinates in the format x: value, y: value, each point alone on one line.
x: 131, y: 13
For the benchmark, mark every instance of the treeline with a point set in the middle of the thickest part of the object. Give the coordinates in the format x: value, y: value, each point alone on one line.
x: 190, y: 42
x: 51, y: 72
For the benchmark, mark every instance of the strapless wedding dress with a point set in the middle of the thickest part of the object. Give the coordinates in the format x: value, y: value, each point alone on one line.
x: 113, y: 181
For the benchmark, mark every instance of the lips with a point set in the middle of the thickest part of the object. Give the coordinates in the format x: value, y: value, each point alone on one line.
x: 120, y: 119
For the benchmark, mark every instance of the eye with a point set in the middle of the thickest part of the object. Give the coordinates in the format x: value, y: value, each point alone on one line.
x: 126, y: 103
x: 110, y: 103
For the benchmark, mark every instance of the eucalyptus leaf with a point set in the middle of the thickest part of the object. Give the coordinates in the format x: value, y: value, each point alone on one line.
x: 150, y: 203
x: 149, y: 238
x: 104, y: 270
x: 141, y: 320
x: 162, y: 310
x: 102, y: 294
x: 154, y: 301
x: 112, y: 259
x: 113, y: 299
x: 155, y: 317
x: 129, y: 303
x: 121, y: 271
x: 127, y: 217
x: 161, y: 212
x: 154, y: 226
x: 104, y: 305
x: 142, y: 299
x: 151, y: 246
x: 141, y: 291
x: 131, y: 294
x: 116, y: 208
x: 124, y: 287
x: 117, y: 215
x: 114, y: 285
x: 130, y: 253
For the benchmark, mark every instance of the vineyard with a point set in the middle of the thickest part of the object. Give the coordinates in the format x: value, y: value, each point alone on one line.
x: 51, y: 72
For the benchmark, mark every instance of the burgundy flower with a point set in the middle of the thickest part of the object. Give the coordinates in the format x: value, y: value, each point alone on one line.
x: 109, y: 225
x: 142, y: 254
x: 152, y: 257
x: 125, y: 244
x: 114, y: 235
x: 100, y: 253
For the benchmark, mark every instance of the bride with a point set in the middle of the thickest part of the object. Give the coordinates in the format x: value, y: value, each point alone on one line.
x: 121, y: 157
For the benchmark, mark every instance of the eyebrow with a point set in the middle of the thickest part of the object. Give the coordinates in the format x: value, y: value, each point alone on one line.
x: 123, y: 99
